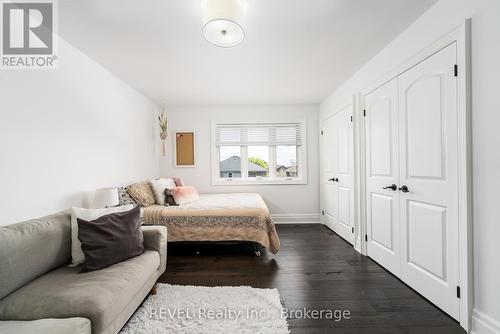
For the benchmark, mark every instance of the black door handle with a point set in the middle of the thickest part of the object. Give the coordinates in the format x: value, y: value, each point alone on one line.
x: 334, y: 179
x: 393, y: 187
x: 404, y: 189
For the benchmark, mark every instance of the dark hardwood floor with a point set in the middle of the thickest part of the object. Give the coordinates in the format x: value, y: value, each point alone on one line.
x: 316, y: 269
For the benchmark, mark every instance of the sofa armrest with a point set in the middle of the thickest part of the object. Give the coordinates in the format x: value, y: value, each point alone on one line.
x: 155, y: 238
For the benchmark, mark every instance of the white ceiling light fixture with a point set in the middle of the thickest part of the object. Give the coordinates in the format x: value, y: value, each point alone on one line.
x: 222, y: 22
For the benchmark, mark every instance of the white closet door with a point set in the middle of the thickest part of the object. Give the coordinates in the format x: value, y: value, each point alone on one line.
x: 344, y: 178
x: 382, y: 171
x: 338, y: 178
x: 428, y: 167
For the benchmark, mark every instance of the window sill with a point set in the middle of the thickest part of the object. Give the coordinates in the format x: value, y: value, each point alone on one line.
x: 236, y: 182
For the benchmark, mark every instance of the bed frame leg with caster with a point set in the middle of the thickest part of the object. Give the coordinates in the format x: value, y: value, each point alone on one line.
x: 256, y: 250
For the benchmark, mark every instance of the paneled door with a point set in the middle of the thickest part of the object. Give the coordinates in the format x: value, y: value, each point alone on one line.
x: 428, y: 171
x: 411, y: 130
x: 382, y: 176
x: 338, y: 176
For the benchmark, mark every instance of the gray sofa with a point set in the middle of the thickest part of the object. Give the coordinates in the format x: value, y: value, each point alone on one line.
x: 38, y: 291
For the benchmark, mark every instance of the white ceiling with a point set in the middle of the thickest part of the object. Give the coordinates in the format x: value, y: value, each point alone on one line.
x: 295, y: 51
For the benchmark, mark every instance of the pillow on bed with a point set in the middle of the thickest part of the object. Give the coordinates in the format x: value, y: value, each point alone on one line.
x: 158, y: 186
x: 179, y: 182
x: 125, y: 198
x: 185, y: 195
x: 142, y: 193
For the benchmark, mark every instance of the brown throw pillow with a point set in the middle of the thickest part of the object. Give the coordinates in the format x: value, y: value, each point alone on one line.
x: 142, y: 193
x: 110, y: 239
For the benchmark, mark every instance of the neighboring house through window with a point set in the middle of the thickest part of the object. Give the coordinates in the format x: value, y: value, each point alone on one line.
x: 258, y: 153
x: 230, y: 168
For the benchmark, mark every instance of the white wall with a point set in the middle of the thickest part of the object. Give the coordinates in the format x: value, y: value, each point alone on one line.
x: 301, y: 201
x: 440, y: 19
x: 68, y: 131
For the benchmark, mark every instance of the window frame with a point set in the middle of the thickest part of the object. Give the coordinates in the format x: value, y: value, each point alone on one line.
x: 272, y: 179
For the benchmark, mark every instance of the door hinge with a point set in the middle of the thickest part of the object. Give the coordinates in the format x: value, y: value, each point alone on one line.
x: 322, y: 133
x: 322, y: 213
x: 351, y: 118
x: 456, y: 70
x: 458, y: 292
x: 364, y: 112
x: 366, y: 237
x: 352, y: 230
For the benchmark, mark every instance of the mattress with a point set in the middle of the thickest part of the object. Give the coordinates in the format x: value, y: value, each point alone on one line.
x: 218, y: 217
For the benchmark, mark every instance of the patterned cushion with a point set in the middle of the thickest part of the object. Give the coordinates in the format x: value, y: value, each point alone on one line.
x: 125, y: 198
x: 141, y: 192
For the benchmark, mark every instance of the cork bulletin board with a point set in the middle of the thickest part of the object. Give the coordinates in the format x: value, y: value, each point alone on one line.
x: 185, y: 149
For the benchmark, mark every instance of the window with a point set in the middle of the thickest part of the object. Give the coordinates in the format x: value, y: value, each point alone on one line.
x: 229, y: 162
x: 258, y: 161
x: 258, y: 153
x: 286, y: 161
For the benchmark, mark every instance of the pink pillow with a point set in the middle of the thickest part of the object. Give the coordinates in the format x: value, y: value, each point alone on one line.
x: 178, y: 181
x: 185, y: 195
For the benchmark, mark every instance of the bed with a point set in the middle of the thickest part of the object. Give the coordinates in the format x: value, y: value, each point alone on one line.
x: 218, y: 218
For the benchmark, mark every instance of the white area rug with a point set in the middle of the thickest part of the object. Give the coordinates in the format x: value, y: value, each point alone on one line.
x: 195, y: 309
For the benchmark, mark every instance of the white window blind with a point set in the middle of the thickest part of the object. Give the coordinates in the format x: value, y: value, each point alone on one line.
x: 258, y: 134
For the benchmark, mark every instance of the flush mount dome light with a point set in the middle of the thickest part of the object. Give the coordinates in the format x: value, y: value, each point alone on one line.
x: 222, y: 22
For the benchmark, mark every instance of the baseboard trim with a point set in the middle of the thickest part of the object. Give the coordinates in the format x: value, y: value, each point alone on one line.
x: 305, y: 218
x: 483, y: 324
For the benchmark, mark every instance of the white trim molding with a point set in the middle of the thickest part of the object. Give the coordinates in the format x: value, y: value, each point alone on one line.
x: 483, y: 324
x: 298, y: 218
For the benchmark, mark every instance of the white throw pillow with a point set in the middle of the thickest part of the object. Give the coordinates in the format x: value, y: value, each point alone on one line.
x: 77, y: 256
x: 159, y: 187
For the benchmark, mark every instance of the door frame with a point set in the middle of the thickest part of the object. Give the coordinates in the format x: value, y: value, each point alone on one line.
x: 460, y: 36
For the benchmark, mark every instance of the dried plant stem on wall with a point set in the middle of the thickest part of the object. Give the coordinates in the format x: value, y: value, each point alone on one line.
x: 163, y: 122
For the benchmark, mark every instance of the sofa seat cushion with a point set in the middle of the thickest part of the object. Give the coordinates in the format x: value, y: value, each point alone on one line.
x: 99, y: 295
x: 47, y: 326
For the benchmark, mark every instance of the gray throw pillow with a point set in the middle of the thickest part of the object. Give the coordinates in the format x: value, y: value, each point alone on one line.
x: 110, y: 239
